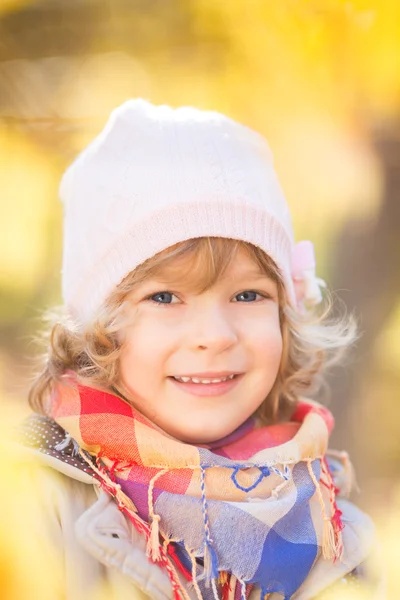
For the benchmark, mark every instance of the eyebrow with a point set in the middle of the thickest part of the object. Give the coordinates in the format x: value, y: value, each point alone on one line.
x: 253, y: 275
x: 157, y: 281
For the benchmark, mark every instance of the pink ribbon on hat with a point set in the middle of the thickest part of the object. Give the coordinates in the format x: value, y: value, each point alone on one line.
x: 307, y: 285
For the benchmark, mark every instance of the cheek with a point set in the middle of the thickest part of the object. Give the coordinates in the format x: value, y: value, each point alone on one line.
x: 266, y: 333
x: 267, y: 344
x: 144, y: 352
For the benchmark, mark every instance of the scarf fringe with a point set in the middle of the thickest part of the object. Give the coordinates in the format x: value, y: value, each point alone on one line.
x: 153, y: 544
x: 210, y: 564
x: 332, y: 543
x: 214, y: 589
x: 224, y: 582
x: 210, y: 557
x: 153, y: 549
x: 171, y: 551
x: 336, y: 513
x: 232, y: 588
x: 350, y: 476
x: 194, y: 582
x: 141, y: 526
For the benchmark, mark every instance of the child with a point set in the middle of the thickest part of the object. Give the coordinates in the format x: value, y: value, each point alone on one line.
x: 173, y: 400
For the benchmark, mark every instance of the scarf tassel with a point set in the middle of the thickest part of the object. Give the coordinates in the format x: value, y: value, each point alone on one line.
x: 129, y: 509
x: 328, y: 540
x: 153, y: 549
x: 153, y: 543
x: 336, y: 519
x: 224, y: 582
x: 210, y: 563
x: 332, y: 546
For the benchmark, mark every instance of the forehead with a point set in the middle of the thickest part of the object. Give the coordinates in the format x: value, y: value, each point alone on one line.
x: 198, y: 264
x: 198, y: 271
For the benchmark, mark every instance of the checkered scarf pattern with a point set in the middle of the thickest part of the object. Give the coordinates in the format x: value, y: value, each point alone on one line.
x: 254, y: 509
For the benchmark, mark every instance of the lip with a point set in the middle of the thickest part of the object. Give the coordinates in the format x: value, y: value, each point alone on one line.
x: 209, y: 374
x: 208, y: 389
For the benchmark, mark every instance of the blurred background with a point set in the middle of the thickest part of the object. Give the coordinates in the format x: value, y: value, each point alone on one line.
x: 319, y: 78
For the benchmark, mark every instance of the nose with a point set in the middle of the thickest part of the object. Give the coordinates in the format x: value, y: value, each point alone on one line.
x: 212, y: 329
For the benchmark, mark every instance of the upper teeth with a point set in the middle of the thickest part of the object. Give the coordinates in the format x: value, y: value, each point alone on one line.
x: 198, y: 380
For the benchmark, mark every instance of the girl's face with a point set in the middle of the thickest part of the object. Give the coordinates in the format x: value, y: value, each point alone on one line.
x: 199, y: 364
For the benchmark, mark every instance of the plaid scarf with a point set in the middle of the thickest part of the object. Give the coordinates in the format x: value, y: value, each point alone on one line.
x: 254, y: 509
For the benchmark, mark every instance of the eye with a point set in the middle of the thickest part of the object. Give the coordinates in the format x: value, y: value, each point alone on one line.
x: 163, y: 298
x: 247, y: 296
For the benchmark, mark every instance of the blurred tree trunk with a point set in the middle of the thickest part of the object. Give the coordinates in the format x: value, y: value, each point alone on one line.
x: 366, y: 275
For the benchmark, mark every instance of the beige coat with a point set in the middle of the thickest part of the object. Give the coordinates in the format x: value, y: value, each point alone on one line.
x: 103, y: 557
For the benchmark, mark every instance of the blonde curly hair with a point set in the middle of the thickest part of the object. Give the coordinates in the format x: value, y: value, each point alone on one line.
x: 312, y: 341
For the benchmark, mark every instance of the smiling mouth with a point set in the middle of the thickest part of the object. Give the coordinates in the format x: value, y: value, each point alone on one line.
x: 203, y: 380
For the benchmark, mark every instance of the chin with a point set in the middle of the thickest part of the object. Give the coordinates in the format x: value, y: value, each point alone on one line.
x: 204, y: 435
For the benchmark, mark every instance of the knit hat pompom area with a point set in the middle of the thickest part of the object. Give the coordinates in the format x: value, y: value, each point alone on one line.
x: 156, y: 176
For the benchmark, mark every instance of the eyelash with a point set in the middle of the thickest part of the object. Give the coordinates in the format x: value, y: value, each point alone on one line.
x: 151, y: 297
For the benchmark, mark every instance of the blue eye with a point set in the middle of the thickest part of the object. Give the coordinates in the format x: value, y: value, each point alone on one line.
x: 246, y: 296
x: 162, y: 298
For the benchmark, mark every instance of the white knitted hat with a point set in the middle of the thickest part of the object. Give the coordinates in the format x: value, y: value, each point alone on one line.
x: 156, y: 176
